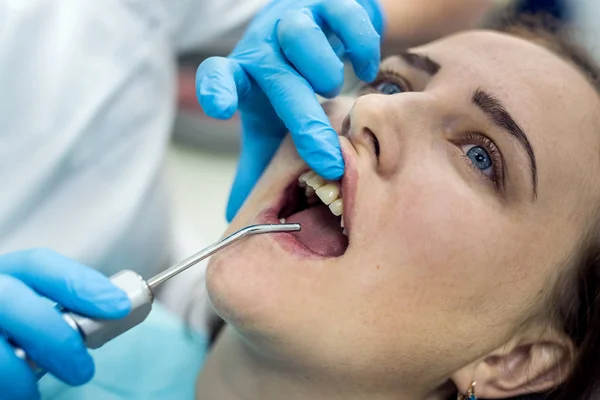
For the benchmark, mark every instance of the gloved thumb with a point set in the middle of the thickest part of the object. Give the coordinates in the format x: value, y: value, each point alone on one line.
x: 220, y: 84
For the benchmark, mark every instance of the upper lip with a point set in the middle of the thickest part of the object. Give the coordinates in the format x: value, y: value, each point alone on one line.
x: 349, y: 181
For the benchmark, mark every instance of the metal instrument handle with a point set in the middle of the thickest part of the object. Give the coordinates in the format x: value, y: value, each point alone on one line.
x: 96, y: 332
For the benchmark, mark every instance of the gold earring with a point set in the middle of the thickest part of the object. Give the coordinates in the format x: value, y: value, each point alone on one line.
x: 470, y: 393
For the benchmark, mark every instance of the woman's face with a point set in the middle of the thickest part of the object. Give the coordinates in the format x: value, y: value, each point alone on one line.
x: 471, y: 173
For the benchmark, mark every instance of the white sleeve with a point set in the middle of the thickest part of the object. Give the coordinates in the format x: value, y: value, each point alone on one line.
x: 87, y: 92
x: 210, y: 25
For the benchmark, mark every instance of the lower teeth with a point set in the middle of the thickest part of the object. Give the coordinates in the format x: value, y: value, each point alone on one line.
x: 282, y: 220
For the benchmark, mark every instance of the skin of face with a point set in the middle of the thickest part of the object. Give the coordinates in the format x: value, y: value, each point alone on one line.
x: 443, y: 269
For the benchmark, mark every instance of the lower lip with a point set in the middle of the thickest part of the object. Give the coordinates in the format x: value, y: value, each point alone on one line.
x: 286, y: 240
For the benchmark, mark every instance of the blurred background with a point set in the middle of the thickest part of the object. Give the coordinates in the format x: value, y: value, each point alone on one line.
x: 202, y: 156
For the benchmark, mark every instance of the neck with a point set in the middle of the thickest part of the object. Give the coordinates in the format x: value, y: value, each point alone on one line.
x: 233, y: 371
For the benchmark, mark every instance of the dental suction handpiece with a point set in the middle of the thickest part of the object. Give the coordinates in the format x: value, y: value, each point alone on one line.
x: 96, y: 332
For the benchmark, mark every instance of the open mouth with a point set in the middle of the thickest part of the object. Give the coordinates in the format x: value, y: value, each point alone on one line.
x: 318, y: 206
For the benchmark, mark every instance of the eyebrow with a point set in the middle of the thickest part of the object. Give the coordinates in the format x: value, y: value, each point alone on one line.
x: 497, y: 112
x: 421, y: 62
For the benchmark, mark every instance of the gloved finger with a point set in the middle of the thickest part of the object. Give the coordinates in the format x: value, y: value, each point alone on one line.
x: 305, y: 45
x: 220, y: 84
x: 222, y: 87
x: 296, y: 104
x: 38, y: 328
x: 17, y: 380
x: 256, y: 154
x: 376, y: 14
x: 262, y: 134
x: 351, y: 23
x: 72, y: 285
x: 337, y: 46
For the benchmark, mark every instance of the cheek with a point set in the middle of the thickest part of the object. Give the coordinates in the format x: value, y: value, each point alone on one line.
x: 431, y: 258
x: 432, y: 236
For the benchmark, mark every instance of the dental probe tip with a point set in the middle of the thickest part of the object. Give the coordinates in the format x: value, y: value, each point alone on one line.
x: 274, y: 228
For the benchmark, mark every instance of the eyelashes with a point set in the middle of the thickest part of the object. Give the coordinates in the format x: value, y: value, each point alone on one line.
x: 386, y: 76
x: 389, y: 75
x: 475, y: 139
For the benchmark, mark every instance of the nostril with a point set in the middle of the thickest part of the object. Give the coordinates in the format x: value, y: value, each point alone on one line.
x: 369, y: 133
x: 365, y: 133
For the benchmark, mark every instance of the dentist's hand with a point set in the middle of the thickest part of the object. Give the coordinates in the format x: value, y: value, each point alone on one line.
x: 37, y: 327
x: 291, y: 50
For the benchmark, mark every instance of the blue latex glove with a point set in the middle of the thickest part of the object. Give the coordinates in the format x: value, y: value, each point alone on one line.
x: 33, y: 323
x: 291, y: 50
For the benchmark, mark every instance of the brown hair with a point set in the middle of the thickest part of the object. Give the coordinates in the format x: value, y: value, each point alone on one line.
x: 574, y: 302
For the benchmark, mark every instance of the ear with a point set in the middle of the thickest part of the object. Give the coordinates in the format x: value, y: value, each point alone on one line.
x: 531, y: 363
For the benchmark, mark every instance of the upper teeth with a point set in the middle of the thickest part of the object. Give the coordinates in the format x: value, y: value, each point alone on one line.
x: 337, y: 207
x: 327, y: 191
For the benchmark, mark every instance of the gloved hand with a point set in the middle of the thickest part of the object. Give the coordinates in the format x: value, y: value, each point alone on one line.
x: 37, y: 327
x: 291, y: 50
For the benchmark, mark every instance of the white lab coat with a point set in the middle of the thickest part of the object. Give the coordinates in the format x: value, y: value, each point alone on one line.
x: 87, y: 96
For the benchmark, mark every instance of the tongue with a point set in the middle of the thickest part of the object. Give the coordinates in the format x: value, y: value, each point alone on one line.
x: 321, y: 231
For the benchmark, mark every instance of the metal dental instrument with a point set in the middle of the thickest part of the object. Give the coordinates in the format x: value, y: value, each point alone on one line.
x: 96, y: 332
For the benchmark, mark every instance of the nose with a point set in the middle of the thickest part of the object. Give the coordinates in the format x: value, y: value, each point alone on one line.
x: 386, y: 126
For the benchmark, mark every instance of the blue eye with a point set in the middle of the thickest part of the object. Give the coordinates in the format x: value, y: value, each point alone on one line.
x: 389, y: 88
x: 480, y: 158
x: 484, y: 157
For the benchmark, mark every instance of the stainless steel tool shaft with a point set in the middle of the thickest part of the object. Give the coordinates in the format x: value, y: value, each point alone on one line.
x: 210, y: 250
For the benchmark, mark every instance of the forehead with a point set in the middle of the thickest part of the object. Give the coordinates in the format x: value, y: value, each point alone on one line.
x: 552, y: 101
